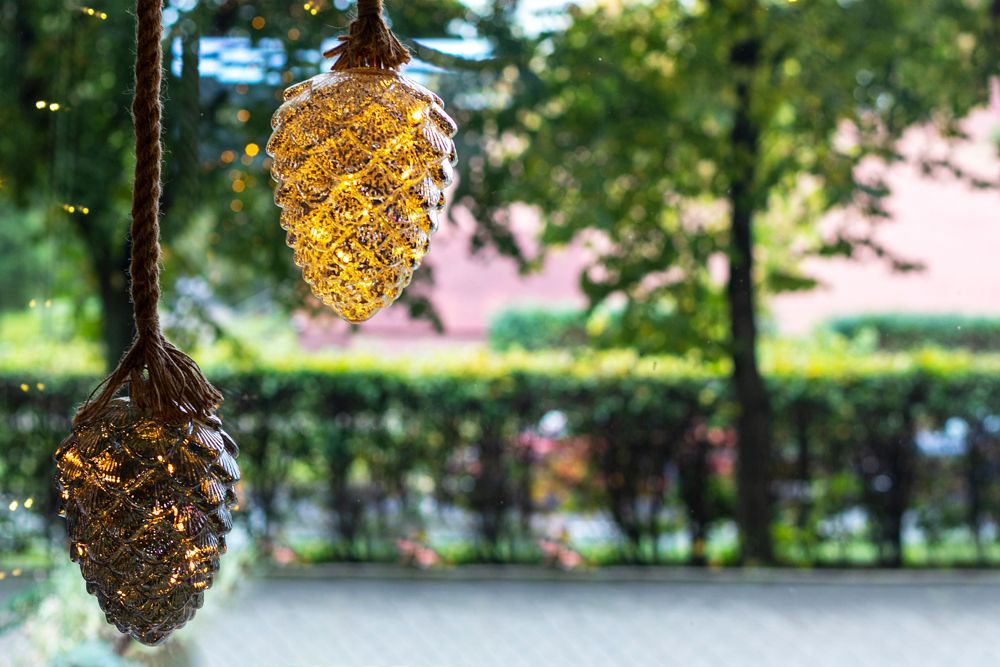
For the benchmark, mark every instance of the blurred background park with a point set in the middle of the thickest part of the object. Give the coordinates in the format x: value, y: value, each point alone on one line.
x: 717, y: 291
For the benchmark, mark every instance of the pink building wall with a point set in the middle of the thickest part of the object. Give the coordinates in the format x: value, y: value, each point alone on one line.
x: 951, y: 228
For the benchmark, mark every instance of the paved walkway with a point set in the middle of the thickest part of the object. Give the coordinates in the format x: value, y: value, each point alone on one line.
x: 378, y: 623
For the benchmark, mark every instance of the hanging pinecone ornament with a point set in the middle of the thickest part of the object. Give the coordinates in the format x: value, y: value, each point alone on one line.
x: 361, y: 156
x: 146, y: 482
x: 146, y: 502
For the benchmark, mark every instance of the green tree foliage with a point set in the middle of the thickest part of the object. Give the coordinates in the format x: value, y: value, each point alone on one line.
x: 68, y: 134
x: 79, y: 152
x: 673, y: 133
x: 24, y: 265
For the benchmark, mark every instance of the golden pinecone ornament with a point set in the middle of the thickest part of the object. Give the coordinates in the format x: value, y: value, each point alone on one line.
x: 361, y: 156
x: 146, y: 482
x: 147, y: 506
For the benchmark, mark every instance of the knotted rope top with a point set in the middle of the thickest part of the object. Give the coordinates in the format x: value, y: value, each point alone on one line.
x: 369, y: 42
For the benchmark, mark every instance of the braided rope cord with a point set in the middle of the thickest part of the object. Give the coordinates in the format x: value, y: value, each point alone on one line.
x: 162, y: 380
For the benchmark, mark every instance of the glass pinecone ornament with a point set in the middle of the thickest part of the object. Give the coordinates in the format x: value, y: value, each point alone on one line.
x: 147, y: 507
x: 361, y: 157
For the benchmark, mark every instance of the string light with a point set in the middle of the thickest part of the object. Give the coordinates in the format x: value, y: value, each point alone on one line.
x: 27, y: 504
x: 90, y: 11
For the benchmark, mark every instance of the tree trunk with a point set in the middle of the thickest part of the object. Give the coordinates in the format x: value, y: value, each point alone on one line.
x: 490, y: 493
x: 694, y: 480
x: 976, y: 482
x: 754, y: 422
x: 903, y: 468
x: 806, y: 534
x: 110, y: 267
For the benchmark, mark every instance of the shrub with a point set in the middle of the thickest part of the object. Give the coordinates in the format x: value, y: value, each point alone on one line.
x: 905, y: 331
x: 538, y: 329
x: 646, y: 330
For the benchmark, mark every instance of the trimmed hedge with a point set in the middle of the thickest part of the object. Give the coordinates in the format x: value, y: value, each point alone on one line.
x: 536, y: 329
x: 646, y: 441
x: 539, y: 329
x: 904, y: 331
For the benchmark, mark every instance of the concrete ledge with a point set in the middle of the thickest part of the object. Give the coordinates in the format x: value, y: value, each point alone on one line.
x: 652, y: 575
